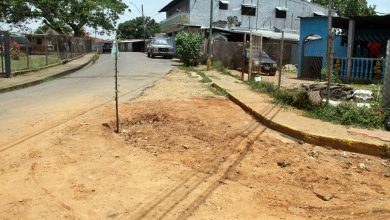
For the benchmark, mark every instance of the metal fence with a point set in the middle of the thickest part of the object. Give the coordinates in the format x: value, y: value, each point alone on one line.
x: 259, y: 56
x: 29, y: 52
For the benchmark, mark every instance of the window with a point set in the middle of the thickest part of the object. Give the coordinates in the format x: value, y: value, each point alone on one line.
x: 281, y: 12
x: 249, y: 10
x: 223, y: 5
x: 39, y: 41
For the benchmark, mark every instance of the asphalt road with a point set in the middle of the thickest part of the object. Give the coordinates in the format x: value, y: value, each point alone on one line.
x: 30, y: 110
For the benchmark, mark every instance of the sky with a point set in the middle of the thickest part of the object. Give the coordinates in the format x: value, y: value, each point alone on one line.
x: 151, y: 8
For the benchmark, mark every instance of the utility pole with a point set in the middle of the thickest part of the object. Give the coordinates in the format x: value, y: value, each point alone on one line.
x: 144, y: 23
x: 329, y: 50
x: 210, y: 35
x: 386, y: 72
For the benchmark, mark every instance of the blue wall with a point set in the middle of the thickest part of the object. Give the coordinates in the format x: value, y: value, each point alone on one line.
x: 317, y: 26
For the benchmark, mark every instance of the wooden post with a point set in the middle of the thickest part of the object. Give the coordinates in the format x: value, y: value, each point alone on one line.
x: 28, y: 57
x: 351, y: 40
x: 46, y: 51
x: 58, y: 49
x: 250, y: 57
x: 386, y: 90
x: 7, y: 54
x: 261, y: 52
x: 243, y: 58
x: 281, y: 60
x: 329, y: 50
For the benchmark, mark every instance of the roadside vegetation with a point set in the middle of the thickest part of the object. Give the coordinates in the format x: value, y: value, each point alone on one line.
x: 345, y: 114
x: 204, y: 79
x: 188, y: 46
x: 36, y: 62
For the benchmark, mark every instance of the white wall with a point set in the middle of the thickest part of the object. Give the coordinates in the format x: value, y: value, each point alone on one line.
x: 200, y: 13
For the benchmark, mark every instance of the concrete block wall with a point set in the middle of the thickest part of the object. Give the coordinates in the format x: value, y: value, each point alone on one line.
x: 265, y: 19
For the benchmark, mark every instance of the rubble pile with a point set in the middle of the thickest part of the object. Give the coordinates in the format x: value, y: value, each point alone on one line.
x: 338, y: 93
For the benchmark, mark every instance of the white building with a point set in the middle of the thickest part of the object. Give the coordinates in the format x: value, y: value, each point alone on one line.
x: 245, y: 15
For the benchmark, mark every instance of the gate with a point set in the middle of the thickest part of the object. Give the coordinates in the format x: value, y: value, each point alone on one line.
x: 312, y: 59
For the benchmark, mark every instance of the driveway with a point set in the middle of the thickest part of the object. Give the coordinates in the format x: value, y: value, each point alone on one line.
x: 29, y: 111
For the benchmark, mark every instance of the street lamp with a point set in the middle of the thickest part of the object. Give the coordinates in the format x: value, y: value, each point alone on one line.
x: 143, y: 21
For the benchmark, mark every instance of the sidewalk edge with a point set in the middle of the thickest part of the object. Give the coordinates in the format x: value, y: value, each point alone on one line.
x: 337, y: 143
x: 39, y: 81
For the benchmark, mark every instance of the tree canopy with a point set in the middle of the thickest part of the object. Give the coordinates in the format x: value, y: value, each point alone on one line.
x: 60, y: 14
x: 350, y: 8
x: 134, y: 29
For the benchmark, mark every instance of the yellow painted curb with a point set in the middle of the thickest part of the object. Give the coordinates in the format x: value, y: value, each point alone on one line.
x: 337, y: 143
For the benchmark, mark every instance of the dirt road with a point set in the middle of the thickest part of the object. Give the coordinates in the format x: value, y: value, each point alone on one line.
x: 184, y: 153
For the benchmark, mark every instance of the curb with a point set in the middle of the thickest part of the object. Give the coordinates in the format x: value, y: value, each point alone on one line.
x: 336, y: 143
x: 39, y: 81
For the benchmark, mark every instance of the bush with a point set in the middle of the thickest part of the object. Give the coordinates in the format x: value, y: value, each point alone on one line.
x: 16, y: 54
x: 263, y: 86
x: 188, y: 46
x: 334, y: 78
x: 297, y: 98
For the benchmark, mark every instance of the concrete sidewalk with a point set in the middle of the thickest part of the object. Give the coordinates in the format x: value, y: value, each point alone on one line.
x: 291, y: 122
x: 34, y: 78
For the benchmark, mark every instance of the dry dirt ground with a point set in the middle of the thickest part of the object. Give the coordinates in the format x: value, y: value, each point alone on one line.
x: 184, y: 153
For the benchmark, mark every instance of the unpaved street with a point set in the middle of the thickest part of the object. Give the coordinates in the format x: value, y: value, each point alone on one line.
x: 185, y: 153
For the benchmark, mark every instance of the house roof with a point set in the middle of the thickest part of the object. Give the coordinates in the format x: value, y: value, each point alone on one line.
x: 265, y: 33
x: 169, y: 5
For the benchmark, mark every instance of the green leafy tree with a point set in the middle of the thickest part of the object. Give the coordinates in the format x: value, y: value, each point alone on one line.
x: 44, y: 28
x: 134, y: 29
x: 350, y: 8
x: 188, y: 46
x: 60, y: 14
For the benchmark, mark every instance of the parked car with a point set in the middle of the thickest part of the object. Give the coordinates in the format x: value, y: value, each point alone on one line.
x: 267, y: 65
x: 160, y: 47
x: 387, y: 123
x: 107, y: 47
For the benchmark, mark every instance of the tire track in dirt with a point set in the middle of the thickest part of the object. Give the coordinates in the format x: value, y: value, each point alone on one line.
x: 61, y: 204
x: 186, y: 197
x: 155, y: 202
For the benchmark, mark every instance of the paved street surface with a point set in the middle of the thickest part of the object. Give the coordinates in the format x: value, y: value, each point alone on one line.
x: 25, y: 112
x: 184, y: 152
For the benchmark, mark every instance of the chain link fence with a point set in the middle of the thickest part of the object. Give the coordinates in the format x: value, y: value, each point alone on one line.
x: 362, y: 72
x: 30, y: 52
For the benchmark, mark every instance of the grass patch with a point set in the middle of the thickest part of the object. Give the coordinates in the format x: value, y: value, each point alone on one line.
x: 350, y: 115
x: 205, y: 79
x: 220, y: 68
x: 345, y: 114
x: 35, y: 62
x: 218, y: 91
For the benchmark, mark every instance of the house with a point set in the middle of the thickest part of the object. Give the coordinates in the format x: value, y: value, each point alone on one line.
x: 358, y: 50
x: 245, y: 15
x: 234, y: 18
x: 133, y: 45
